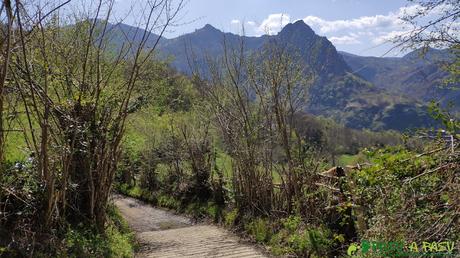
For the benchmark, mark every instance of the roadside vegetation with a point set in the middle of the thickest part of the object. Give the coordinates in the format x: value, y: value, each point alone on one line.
x: 259, y: 166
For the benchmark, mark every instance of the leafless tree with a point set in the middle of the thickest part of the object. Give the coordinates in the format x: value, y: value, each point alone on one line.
x: 254, y: 99
x: 76, y: 90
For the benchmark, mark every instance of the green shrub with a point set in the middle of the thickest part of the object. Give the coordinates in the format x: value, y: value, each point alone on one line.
x: 138, y: 193
x: 402, y: 192
x: 196, y: 210
x: 21, y: 194
x: 210, y: 210
x: 169, y: 202
x: 84, y: 243
x: 293, y: 239
x: 314, y: 241
x: 230, y: 217
x: 278, y: 245
x: 135, y: 192
x: 292, y: 223
x: 260, y: 229
x: 118, y: 240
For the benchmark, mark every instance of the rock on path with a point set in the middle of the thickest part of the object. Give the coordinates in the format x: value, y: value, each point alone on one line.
x: 164, y: 234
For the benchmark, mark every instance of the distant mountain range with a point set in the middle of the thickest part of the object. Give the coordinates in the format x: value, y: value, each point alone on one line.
x: 419, y: 74
x: 360, y: 92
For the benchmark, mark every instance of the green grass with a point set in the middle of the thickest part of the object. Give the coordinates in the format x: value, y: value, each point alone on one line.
x: 15, y: 143
x: 224, y: 163
x: 346, y: 159
x: 15, y: 147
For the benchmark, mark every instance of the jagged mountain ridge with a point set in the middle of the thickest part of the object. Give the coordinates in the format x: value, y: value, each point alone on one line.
x: 338, y: 92
x: 209, y: 41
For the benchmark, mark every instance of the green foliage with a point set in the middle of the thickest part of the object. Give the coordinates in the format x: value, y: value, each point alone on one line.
x: 137, y: 192
x: 401, y: 191
x: 278, y: 245
x: 294, y: 239
x: 19, y: 177
x: 454, y: 68
x: 164, y: 89
x: 406, y: 74
x: 230, y: 217
x: 260, y: 229
x: 83, y: 242
x: 291, y: 223
x: 21, y: 194
x: 199, y: 210
x: 169, y: 202
x: 316, y: 240
x: 450, y: 123
x: 329, y: 138
x: 213, y: 211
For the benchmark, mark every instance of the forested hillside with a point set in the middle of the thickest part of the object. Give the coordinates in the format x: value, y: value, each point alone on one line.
x: 421, y: 74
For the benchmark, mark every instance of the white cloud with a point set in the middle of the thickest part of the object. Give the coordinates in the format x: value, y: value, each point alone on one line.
x: 402, y: 29
x: 362, y: 26
x: 273, y: 23
x: 365, y: 22
x: 344, y: 40
x: 361, y: 32
x: 376, y: 29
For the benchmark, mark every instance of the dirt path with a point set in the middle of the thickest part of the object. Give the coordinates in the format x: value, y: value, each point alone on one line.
x: 164, y: 234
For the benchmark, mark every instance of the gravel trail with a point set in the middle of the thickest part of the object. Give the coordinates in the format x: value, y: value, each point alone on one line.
x: 164, y: 234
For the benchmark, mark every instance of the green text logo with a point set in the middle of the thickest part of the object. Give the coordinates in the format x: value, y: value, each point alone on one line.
x: 398, y: 248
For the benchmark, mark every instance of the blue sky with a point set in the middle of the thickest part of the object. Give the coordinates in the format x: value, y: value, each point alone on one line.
x: 357, y: 26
